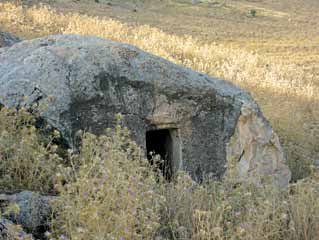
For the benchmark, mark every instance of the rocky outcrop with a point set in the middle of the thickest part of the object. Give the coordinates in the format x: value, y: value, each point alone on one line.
x: 255, y: 148
x: 78, y: 82
x: 34, y: 211
x: 7, y: 40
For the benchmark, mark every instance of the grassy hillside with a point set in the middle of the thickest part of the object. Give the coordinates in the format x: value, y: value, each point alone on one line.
x: 269, y: 48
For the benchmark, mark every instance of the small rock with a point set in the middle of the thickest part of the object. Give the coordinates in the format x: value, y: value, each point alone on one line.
x: 34, y: 211
x: 10, y: 231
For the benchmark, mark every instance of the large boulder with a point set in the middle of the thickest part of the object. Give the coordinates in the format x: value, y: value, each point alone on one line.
x: 197, y: 123
x: 7, y: 40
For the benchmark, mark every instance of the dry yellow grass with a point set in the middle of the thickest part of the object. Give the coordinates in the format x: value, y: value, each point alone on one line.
x: 108, y: 190
x: 285, y: 89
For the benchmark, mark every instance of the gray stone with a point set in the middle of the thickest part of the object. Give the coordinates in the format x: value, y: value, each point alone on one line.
x: 81, y: 82
x: 7, y: 40
x: 10, y: 231
x: 34, y: 211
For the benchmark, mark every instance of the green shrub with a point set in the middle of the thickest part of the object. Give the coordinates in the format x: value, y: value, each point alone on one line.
x: 26, y: 161
x: 253, y: 12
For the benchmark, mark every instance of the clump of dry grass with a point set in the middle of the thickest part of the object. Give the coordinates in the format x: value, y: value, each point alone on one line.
x: 111, y: 192
x: 231, y: 211
x: 108, y: 190
x: 26, y: 161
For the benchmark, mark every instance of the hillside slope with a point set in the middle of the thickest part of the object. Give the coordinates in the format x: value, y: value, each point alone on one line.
x: 267, y: 47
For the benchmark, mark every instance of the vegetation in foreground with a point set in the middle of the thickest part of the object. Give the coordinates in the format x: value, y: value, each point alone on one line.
x: 110, y: 191
x: 27, y: 158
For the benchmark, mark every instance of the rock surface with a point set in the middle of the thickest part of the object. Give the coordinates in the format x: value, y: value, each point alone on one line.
x: 10, y: 231
x: 7, y: 40
x: 34, y: 211
x: 81, y: 82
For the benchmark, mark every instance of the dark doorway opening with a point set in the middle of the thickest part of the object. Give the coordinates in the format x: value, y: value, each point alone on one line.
x: 159, y: 142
